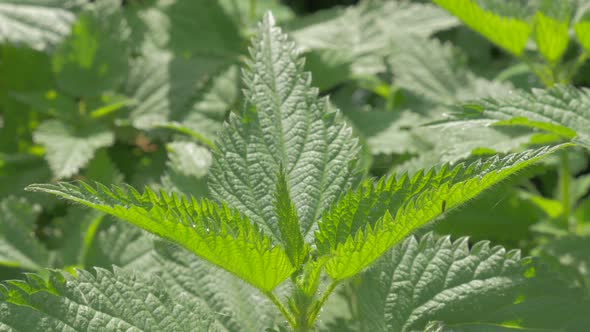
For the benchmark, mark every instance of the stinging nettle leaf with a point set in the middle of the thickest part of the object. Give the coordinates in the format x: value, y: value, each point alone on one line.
x: 366, y: 222
x: 361, y: 35
x: 510, y: 33
x: 39, y: 24
x: 469, y: 287
x: 284, y: 123
x: 103, y: 300
x: 562, y: 110
x: 93, y: 58
x: 288, y: 221
x: 18, y: 246
x: 551, y: 36
x: 69, y: 148
x: 211, y: 231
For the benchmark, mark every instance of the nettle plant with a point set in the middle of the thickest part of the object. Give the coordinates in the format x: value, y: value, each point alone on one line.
x: 292, y: 219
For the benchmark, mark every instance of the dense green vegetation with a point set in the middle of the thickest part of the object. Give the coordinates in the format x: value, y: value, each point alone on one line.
x: 255, y: 166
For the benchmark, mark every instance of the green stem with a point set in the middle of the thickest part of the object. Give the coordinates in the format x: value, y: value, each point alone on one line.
x: 564, y: 184
x: 548, y: 82
x: 273, y: 298
x: 318, y: 305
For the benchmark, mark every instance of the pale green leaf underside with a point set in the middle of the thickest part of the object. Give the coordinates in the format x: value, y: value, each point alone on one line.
x: 228, y: 299
x: 562, y: 110
x: 34, y: 23
x: 368, y: 221
x: 211, y: 231
x: 99, y: 301
x: 362, y: 35
x: 433, y: 69
x: 18, y: 246
x: 234, y: 304
x: 67, y: 149
x: 509, y: 33
x: 284, y: 124
x: 461, y: 285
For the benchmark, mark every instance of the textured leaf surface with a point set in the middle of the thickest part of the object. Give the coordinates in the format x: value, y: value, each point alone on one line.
x: 162, y: 86
x: 362, y: 35
x: 284, y: 124
x: 234, y: 304
x: 39, y: 24
x: 509, y: 33
x: 433, y: 69
x: 368, y: 221
x: 211, y: 231
x: 191, y: 29
x: 563, y: 110
x: 103, y: 300
x: 477, y: 285
x: 67, y: 148
x: 295, y: 246
x: 18, y: 246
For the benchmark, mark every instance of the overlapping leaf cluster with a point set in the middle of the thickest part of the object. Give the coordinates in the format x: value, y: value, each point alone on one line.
x: 299, y: 211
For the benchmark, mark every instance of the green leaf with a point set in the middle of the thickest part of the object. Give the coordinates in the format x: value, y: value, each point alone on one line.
x: 284, y: 124
x: 229, y: 299
x: 122, y: 245
x: 93, y: 58
x: 510, y: 216
x: 510, y: 33
x: 67, y: 149
x: 434, y: 70
x: 191, y: 29
x: 49, y: 102
x: 235, y: 305
x: 368, y: 221
x: 562, y: 110
x: 18, y: 245
x: 162, y: 87
x: 570, y: 254
x: 361, y: 35
x: 288, y: 221
x: 211, y: 231
x: 39, y: 24
x: 582, y: 29
x: 103, y: 300
x: 551, y: 35
x: 463, y: 284
x: 188, y: 166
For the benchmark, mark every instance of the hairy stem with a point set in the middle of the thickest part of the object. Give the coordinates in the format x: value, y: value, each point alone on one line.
x: 320, y: 303
x: 273, y: 298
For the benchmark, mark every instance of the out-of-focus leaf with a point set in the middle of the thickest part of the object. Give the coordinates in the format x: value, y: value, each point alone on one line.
x: 39, y: 24
x: 18, y: 245
x: 70, y: 148
x: 188, y: 166
x: 93, y: 58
